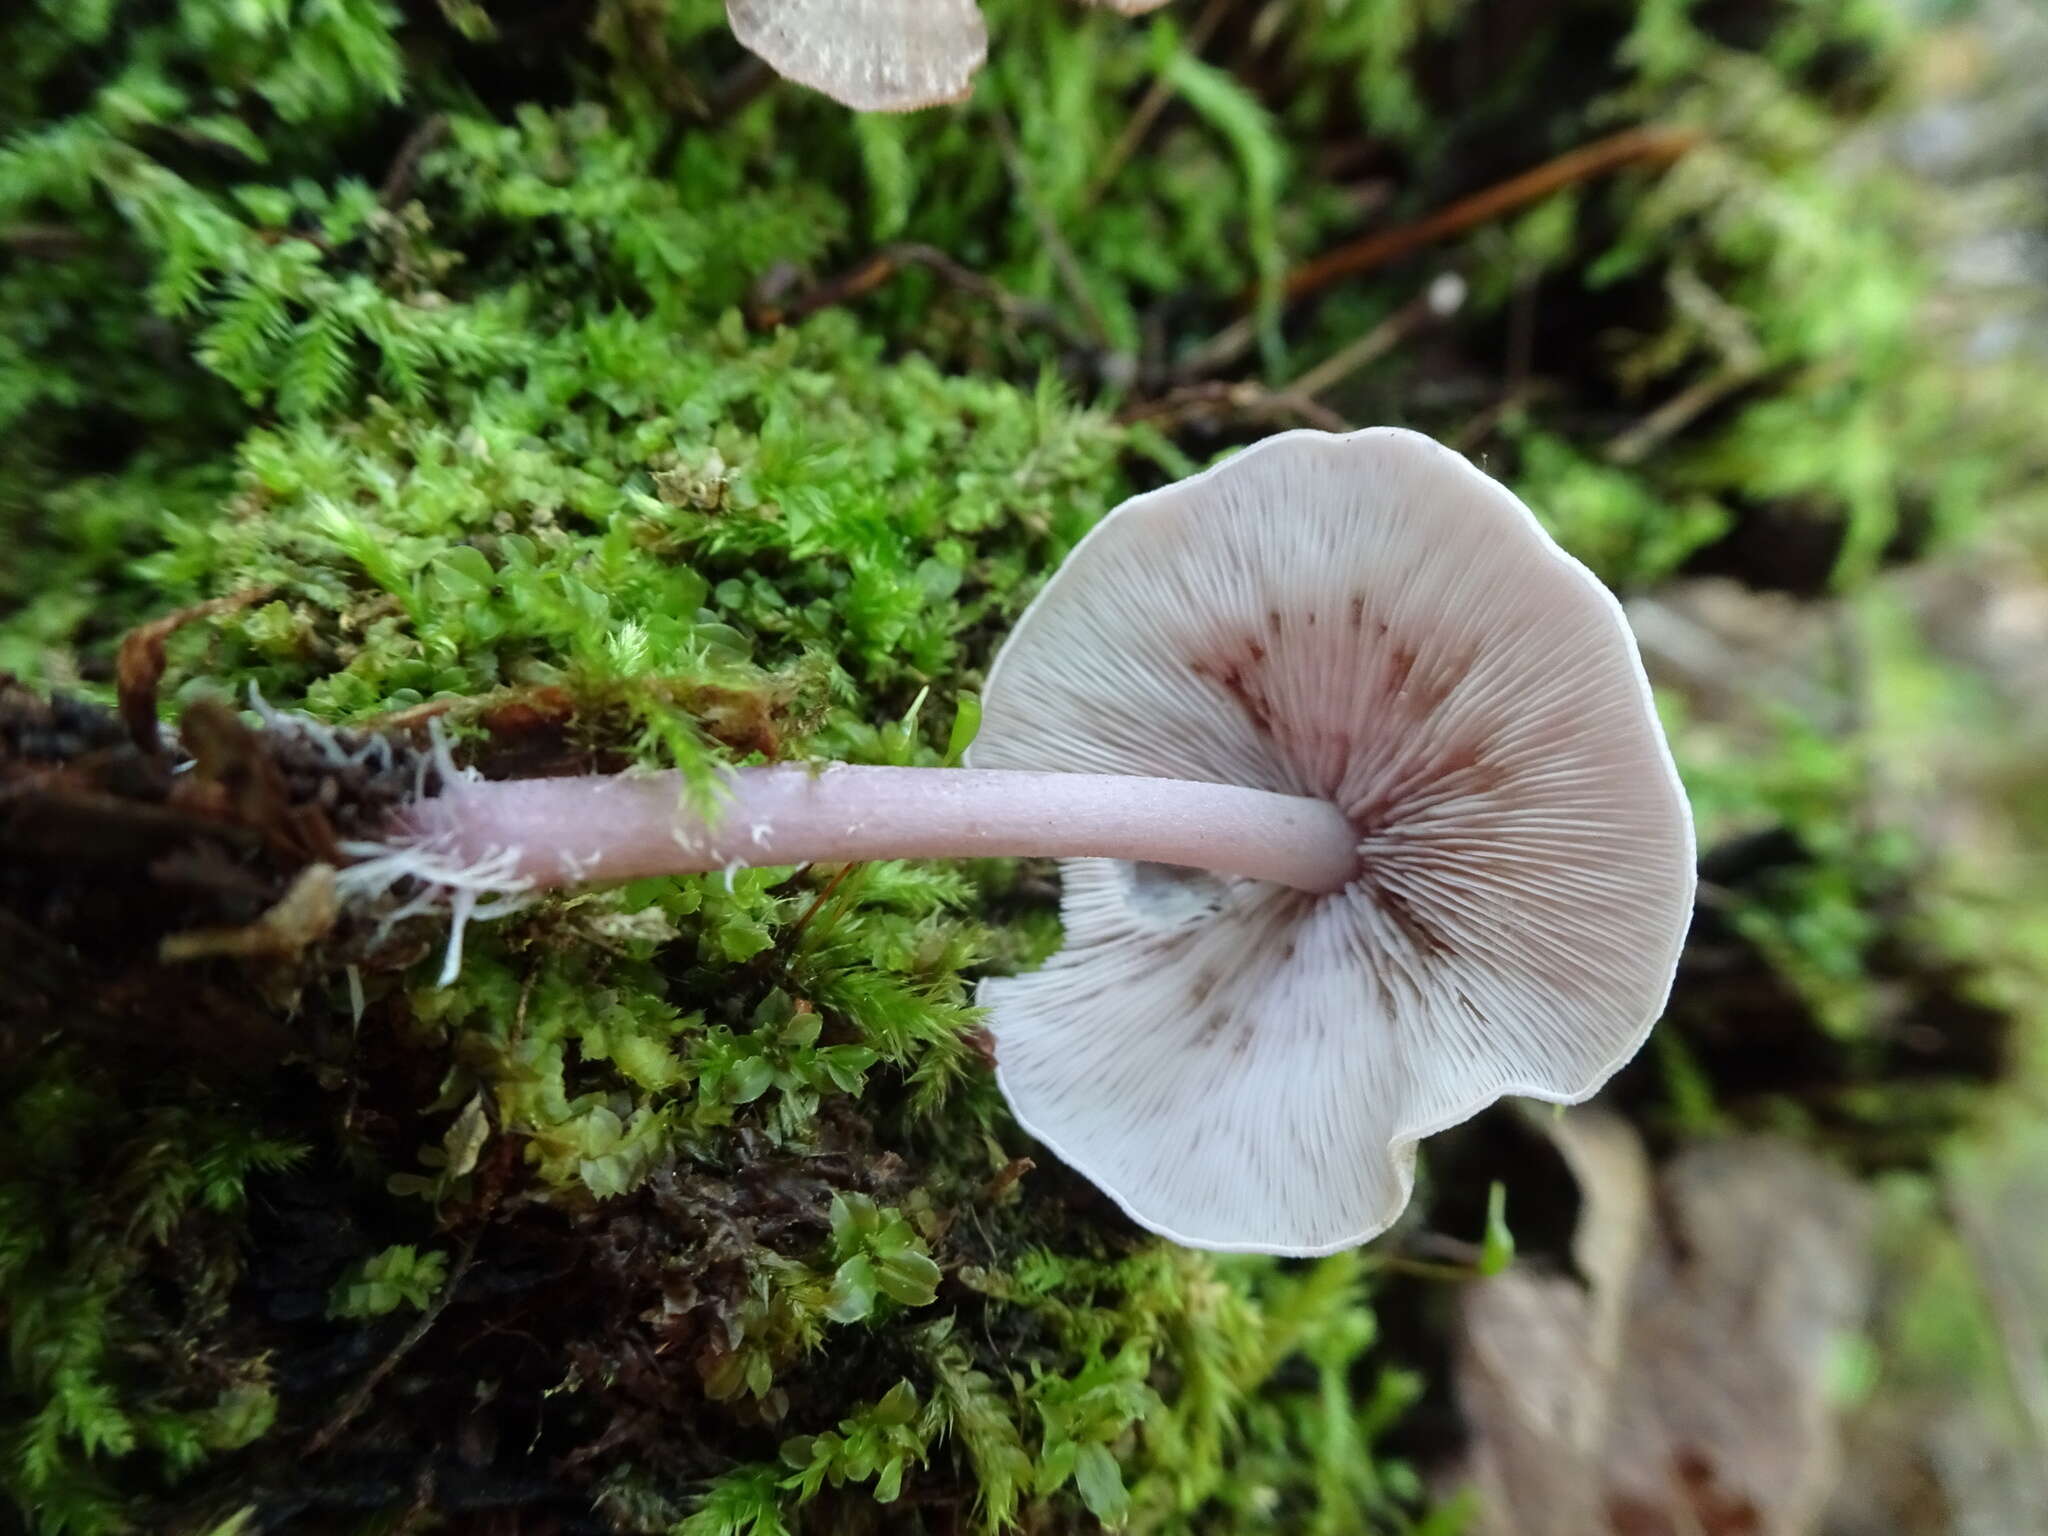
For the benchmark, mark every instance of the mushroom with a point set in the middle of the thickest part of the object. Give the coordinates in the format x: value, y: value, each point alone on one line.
x: 871, y: 55
x: 1369, y: 621
x: 876, y: 55
x: 1368, y: 818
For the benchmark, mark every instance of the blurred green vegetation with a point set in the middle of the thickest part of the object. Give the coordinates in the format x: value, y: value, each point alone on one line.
x: 453, y: 326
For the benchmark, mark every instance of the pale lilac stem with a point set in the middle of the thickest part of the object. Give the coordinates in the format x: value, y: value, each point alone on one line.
x: 566, y: 831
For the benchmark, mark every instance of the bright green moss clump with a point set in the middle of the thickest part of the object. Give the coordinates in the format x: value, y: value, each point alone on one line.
x: 690, y: 1206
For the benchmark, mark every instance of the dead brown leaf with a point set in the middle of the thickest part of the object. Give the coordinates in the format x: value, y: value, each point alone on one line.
x: 1537, y: 1353
x: 1679, y: 1385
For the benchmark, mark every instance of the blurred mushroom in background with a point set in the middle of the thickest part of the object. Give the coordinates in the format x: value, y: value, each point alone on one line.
x: 877, y: 55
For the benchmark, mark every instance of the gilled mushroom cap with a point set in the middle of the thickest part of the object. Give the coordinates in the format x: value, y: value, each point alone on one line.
x: 1370, y: 619
x: 871, y: 55
x: 1131, y: 7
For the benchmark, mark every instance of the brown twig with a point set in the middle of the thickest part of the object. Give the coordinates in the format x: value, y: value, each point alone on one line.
x: 1005, y: 1179
x: 797, y: 929
x: 1233, y: 397
x: 1651, y: 144
x: 1743, y: 361
x: 45, y: 242
x: 1679, y: 412
x: 359, y: 1399
x: 1440, y: 300
x: 1484, y: 423
x: 1220, y: 350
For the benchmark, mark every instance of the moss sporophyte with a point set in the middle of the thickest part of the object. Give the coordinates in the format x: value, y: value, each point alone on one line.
x: 1367, y: 818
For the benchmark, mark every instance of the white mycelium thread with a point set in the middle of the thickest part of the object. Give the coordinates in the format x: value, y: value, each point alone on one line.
x: 442, y: 874
x: 368, y: 751
x: 442, y: 878
x: 1370, y: 620
x: 872, y: 55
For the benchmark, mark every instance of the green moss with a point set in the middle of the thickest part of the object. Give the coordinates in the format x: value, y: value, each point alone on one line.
x: 447, y: 330
x: 120, y: 1214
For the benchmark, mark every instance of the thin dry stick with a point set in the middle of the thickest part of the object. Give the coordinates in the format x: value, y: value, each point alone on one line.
x: 1147, y: 111
x: 1483, y: 424
x: 1742, y: 362
x: 1679, y: 412
x: 1220, y: 350
x: 855, y: 283
x: 1238, y: 397
x: 1652, y: 144
x: 359, y: 1399
x: 48, y: 242
x: 1347, y: 360
x: 797, y: 930
x: 1443, y: 298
